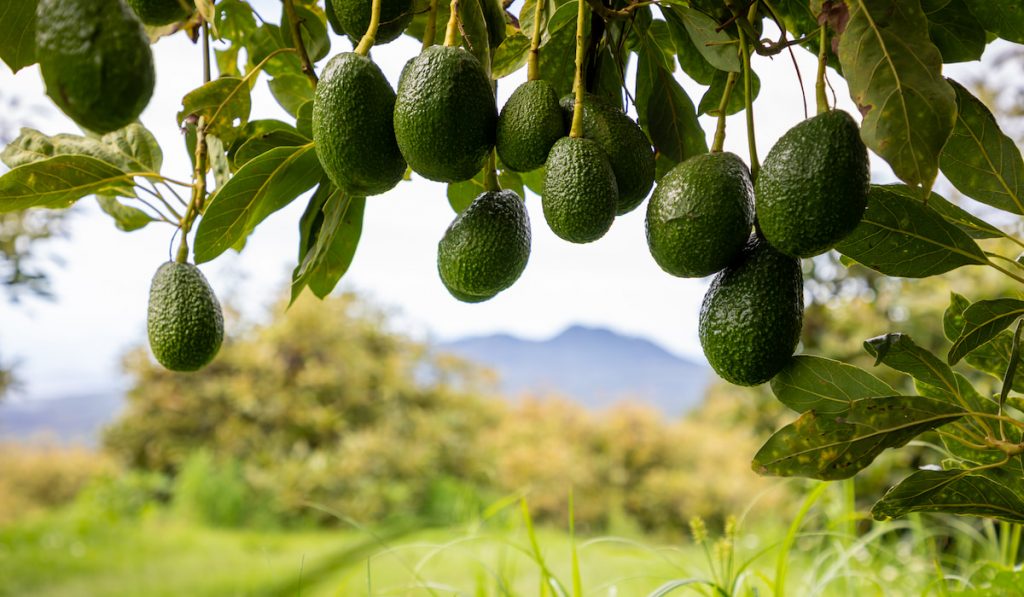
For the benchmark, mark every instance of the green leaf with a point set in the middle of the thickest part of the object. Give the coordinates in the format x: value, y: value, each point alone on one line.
x: 1005, y: 18
x: 666, y: 112
x: 901, y: 353
x: 234, y: 19
x: 980, y: 160
x: 132, y: 149
x: 974, y: 226
x: 824, y: 385
x: 60, y: 181
x: 895, y: 77
x: 337, y: 238
x: 691, y: 61
x: 900, y: 236
x: 510, y: 56
x: 473, y: 27
x: 126, y: 217
x: 461, y: 194
x: 264, y: 40
x: 312, y: 28
x: 225, y: 103
x: 954, y: 30
x: 259, y: 144
x: 261, y: 187
x: 291, y: 92
x: 218, y: 161
x: 554, y: 65
x: 982, y: 322
x: 713, y: 96
x: 837, y: 446
x: 992, y: 357
x: 721, y: 54
x: 18, y: 33
x: 304, y: 120
x: 994, y: 493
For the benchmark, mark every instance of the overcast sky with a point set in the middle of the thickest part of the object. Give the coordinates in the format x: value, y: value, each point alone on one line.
x: 73, y: 344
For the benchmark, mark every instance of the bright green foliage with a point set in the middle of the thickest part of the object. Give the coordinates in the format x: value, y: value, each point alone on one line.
x: 529, y: 124
x: 814, y: 185
x: 162, y: 12
x: 751, y: 316
x: 579, y: 191
x: 445, y: 114
x: 354, y: 17
x: 185, y: 323
x: 627, y: 147
x: 699, y: 217
x: 353, y: 126
x: 486, y: 247
x: 95, y: 59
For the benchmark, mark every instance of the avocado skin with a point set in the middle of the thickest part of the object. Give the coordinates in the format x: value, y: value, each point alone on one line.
x: 445, y: 115
x: 579, y: 191
x: 813, y: 186
x: 95, y: 59
x: 486, y: 247
x: 751, y: 316
x: 529, y: 124
x: 699, y: 216
x: 354, y: 18
x: 353, y: 127
x: 185, y: 324
x: 162, y: 12
x: 623, y: 141
x: 332, y: 18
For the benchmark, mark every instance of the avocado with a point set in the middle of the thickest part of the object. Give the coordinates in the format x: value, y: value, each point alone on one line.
x: 445, y: 115
x: 813, y: 186
x: 580, y: 194
x: 162, y: 12
x: 529, y: 124
x: 332, y: 18
x: 354, y: 18
x: 700, y: 215
x: 95, y: 59
x: 627, y: 147
x: 751, y: 316
x: 353, y: 127
x: 486, y: 247
x: 185, y: 323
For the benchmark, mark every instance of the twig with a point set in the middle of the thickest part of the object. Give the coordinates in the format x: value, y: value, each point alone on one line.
x: 300, y: 46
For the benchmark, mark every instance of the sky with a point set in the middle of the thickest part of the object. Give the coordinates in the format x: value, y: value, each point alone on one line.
x: 73, y: 344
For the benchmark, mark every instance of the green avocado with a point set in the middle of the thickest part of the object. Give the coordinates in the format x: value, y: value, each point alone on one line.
x: 95, y: 59
x: 751, y: 316
x: 529, y: 124
x: 185, y: 323
x: 486, y: 247
x: 580, y: 194
x: 354, y: 18
x: 627, y: 147
x: 162, y: 12
x: 699, y: 216
x: 445, y: 115
x: 353, y: 127
x: 332, y: 18
x: 813, y: 186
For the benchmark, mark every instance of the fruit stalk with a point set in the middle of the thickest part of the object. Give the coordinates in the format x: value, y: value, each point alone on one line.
x: 748, y: 97
x: 453, y: 24
x: 576, y: 131
x: 300, y: 46
x: 370, y: 36
x: 533, y: 66
x: 819, y: 84
x: 730, y: 82
x: 428, y: 33
x: 195, y: 206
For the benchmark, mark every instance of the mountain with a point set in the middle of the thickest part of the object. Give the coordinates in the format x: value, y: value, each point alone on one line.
x: 596, y: 367
x: 69, y: 419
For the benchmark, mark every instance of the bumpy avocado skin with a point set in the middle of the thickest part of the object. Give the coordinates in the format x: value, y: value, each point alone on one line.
x: 445, y: 114
x: 580, y: 194
x: 185, y: 324
x: 353, y: 127
x: 813, y: 186
x: 354, y: 18
x: 530, y: 122
x: 162, y: 12
x: 332, y: 18
x: 486, y: 247
x: 751, y: 316
x: 95, y: 59
x: 623, y: 141
x: 699, y: 216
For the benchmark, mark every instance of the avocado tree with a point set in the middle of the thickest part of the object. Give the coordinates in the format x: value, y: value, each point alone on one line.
x: 565, y: 134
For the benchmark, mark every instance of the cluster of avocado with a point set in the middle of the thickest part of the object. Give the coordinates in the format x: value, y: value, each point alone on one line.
x: 811, y: 192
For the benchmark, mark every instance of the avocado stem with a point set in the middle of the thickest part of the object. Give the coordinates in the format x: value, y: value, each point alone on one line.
x: 295, y: 24
x: 730, y: 82
x: 370, y: 37
x: 491, y: 173
x: 819, y: 83
x: 428, y: 33
x: 452, y: 31
x: 195, y: 205
x: 533, y: 66
x: 576, y: 131
x: 748, y: 98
